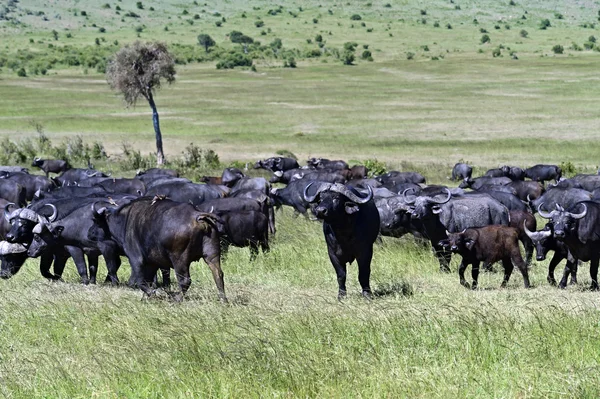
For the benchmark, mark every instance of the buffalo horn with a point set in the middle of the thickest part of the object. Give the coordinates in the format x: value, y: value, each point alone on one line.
x: 544, y: 214
x: 408, y: 201
x: 36, y: 159
x: 310, y: 199
x: 7, y: 214
x: 443, y: 201
x: 52, y: 217
x: 578, y: 215
x: 352, y: 194
x: 91, y: 175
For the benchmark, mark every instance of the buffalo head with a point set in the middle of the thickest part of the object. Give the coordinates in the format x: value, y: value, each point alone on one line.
x: 24, y: 221
x: 539, y: 238
x: 457, y: 242
x: 563, y: 222
x: 37, y: 161
x: 13, y: 256
x: 423, y: 206
x: 336, y: 200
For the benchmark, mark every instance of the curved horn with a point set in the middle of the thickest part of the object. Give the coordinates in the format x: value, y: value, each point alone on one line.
x: 109, y: 174
x: 7, y: 211
x: 578, y: 215
x: 312, y: 198
x: 52, y: 217
x: 528, y: 198
x: 91, y: 175
x: 527, y: 231
x: 352, y: 194
x: 37, y: 159
x: 408, y: 201
x: 443, y: 201
x: 544, y: 214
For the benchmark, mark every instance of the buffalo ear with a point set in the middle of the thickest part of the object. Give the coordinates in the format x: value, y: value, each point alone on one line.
x: 58, y: 231
x: 436, y: 209
x: 470, y: 243
x: 351, y: 208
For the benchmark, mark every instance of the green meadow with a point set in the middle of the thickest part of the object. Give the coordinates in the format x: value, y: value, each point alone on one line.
x: 284, y: 334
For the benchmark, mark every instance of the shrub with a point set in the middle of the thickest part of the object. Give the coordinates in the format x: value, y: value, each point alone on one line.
x: 512, y: 3
x: 482, y: 30
x: 544, y: 23
x: 375, y: 167
x: 569, y: 170
x: 577, y: 47
x: 290, y: 63
x: 485, y: 39
x: 218, y: 24
x: 131, y: 14
x: 410, y: 55
x: 102, y: 30
x: 366, y: 55
x: 259, y: 23
x: 22, y: 73
x: 523, y: 33
x: 448, y: 26
x: 347, y: 57
x: 423, y: 12
x: 355, y: 17
x: 318, y: 38
x: 497, y: 52
x: 436, y: 24
x: 286, y: 153
x: 106, y: 5
x: 315, y: 21
x: 558, y: 49
x: 558, y: 15
x: 233, y: 60
x: 592, y: 39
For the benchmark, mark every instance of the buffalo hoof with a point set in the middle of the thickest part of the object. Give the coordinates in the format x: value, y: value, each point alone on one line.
x: 573, y: 281
x: 562, y: 285
x: 551, y: 280
x: 367, y: 295
x: 93, y: 281
x: 474, y: 285
x: 85, y: 281
x: 465, y: 284
x: 445, y: 269
x: 224, y: 300
x: 594, y: 286
x: 341, y: 295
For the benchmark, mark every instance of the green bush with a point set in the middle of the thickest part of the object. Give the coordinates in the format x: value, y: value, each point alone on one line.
x: 375, y: 167
x: 568, y: 169
x: 290, y: 63
x: 233, y: 60
x: 485, y: 39
x: 356, y: 17
x: 410, y: 55
x: 544, y: 24
x: 259, y: 23
x: 523, y: 33
x: 22, y: 73
x: 558, y: 49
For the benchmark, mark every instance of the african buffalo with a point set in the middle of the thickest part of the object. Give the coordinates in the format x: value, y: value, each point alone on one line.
x: 461, y: 171
x: 51, y: 165
x: 543, y: 173
x: 350, y: 225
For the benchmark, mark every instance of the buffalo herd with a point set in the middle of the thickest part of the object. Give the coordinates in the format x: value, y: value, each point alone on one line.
x: 161, y: 221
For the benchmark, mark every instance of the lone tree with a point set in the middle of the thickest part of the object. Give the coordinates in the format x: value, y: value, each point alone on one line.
x: 137, y: 70
x: 206, y: 41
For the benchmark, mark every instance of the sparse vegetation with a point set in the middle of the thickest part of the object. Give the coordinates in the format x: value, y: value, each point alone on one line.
x: 558, y: 49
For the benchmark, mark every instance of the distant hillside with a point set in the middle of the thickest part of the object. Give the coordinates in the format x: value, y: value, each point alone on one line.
x: 39, y: 36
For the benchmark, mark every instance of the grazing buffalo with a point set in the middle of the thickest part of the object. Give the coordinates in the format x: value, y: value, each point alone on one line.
x: 156, y: 233
x: 513, y: 172
x: 496, y: 172
x: 51, y: 165
x: 394, y: 177
x: 544, y: 241
x: 243, y: 229
x: 322, y: 163
x: 441, y: 215
x: 543, y: 173
x: 31, y: 183
x: 461, y: 171
x: 276, y: 164
x: 479, y: 182
x: 579, y: 228
x: 230, y: 176
x: 527, y: 190
x: 350, y: 225
x: 489, y: 245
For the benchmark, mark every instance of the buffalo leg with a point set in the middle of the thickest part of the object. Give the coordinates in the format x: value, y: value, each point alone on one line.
x: 214, y: 263
x: 60, y: 260
x: 444, y: 258
x: 508, y: 268
x: 570, y: 269
x: 93, y: 267
x: 340, y: 271
x: 461, y: 273
x: 253, y: 250
x: 79, y: 259
x: 45, y: 263
x: 552, y: 266
x: 594, y: 273
x: 518, y: 261
x: 573, y: 268
x: 113, y: 262
x: 182, y: 272
x: 147, y: 273
x: 475, y: 274
x: 528, y: 245
x: 364, y: 271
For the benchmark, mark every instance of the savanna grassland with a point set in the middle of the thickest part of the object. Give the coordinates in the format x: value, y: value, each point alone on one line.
x: 284, y: 334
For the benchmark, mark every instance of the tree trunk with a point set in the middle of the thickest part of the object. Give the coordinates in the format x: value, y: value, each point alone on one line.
x: 160, y: 156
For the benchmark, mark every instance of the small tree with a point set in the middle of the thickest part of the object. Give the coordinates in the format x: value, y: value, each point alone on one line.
x: 238, y: 37
x: 137, y: 70
x: 206, y: 41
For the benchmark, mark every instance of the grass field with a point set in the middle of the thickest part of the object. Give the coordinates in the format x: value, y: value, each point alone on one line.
x: 284, y: 334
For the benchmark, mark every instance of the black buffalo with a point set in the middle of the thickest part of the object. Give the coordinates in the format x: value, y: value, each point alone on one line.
x: 275, y: 164
x: 461, y: 171
x: 350, y: 225
x: 51, y: 165
x: 543, y: 173
x: 157, y: 233
x: 579, y: 228
x: 544, y: 241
